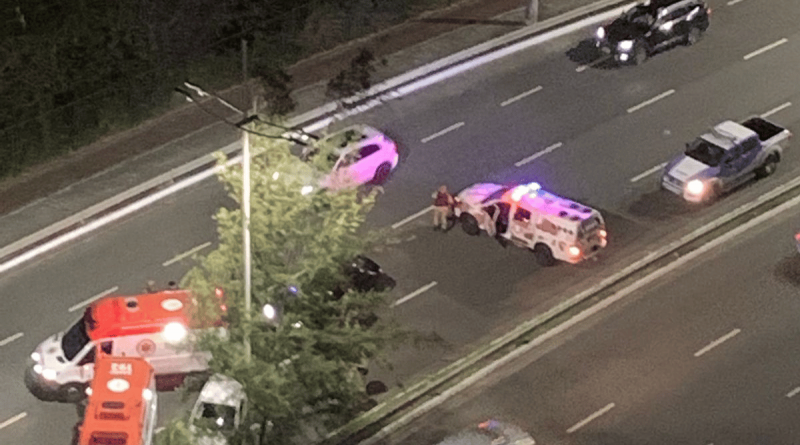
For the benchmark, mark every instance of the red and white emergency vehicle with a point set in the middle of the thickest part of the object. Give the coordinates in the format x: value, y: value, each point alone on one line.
x: 154, y: 326
x: 121, y: 409
x: 555, y: 228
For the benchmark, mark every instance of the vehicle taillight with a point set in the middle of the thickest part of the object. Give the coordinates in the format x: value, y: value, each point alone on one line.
x: 797, y: 236
x: 602, y: 233
x: 708, y: 11
x: 574, y: 250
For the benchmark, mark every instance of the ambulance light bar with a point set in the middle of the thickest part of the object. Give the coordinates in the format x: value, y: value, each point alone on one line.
x: 174, y: 332
x: 527, y: 189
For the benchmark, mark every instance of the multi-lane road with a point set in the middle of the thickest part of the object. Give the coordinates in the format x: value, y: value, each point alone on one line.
x: 592, y: 133
x: 707, y: 354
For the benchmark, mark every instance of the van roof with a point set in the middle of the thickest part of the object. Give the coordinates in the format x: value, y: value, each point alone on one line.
x: 118, y: 402
x: 533, y: 197
x: 116, y: 316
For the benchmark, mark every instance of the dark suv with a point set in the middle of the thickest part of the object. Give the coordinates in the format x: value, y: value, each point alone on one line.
x: 652, y: 26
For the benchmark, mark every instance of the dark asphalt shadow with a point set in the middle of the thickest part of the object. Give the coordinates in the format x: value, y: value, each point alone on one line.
x: 661, y: 205
x: 788, y: 269
x: 585, y: 53
x: 469, y: 21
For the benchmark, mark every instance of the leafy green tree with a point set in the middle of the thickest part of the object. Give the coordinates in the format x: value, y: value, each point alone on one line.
x: 303, y: 370
x: 356, y: 78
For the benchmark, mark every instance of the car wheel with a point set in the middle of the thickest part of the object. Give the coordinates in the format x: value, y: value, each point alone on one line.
x: 639, y: 54
x: 544, y: 256
x: 382, y: 173
x: 769, y: 167
x: 470, y: 225
x: 715, y: 193
x: 694, y: 36
x: 73, y: 392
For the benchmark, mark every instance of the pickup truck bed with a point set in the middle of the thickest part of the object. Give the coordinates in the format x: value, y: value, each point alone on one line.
x: 763, y: 128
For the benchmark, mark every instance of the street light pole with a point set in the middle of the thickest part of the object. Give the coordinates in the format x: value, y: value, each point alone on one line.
x: 246, y: 235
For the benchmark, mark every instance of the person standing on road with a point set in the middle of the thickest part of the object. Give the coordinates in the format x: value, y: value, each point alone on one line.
x: 442, y: 203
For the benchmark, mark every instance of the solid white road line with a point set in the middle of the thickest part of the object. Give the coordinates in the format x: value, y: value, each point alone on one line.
x: 443, y: 132
x: 595, y: 415
x: 520, y: 96
x: 766, y: 48
x: 733, y: 2
x: 651, y: 101
x: 648, y: 172
x: 536, y: 155
x: 90, y: 300
x: 718, y: 342
x: 793, y: 392
x: 8, y: 340
x: 16, y: 418
x: 408, y: 219
x: 777, y: 109
x: 186, y: 254
x: 414, y: 294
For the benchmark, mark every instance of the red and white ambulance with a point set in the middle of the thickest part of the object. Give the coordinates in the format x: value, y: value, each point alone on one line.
x: 155, y: 326
x: 121, y: 409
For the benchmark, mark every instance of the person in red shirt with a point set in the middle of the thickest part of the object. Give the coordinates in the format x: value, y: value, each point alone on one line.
x: 442, y: 204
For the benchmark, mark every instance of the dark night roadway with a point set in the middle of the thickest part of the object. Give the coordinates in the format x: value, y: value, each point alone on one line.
x: 481, y: 289
x: 709, y: 353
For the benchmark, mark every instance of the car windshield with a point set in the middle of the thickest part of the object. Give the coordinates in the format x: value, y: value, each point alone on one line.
x: 74, y: 340
x: 705, y: 152
x: 496, y: 195
x: 216, y: 417
x: 640, y: 15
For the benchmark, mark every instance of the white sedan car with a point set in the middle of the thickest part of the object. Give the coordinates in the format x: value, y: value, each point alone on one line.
x: 361, y: 155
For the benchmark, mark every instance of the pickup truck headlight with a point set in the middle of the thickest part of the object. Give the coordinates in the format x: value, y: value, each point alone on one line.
x: 626, y: 45
x: 601, y: 33
x: 695, y: 187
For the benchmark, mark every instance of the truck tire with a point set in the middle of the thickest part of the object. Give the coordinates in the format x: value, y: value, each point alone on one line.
x: 544, y: 256
x: 72, y: 392
x: 769, y: 166
x: 694, y: 35
x: 470, y: 225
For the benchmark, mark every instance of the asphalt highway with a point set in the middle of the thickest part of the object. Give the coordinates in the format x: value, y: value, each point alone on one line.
x: 708, y: 354
x: 464, y: 289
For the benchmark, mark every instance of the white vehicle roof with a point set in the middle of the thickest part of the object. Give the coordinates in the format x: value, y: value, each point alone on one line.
x: 727, y: 134
x: 531, y: 196
x: 222, y: 390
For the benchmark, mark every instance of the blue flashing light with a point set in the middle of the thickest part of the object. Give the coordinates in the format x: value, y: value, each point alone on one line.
x: 293, y: 289
x: 527, y: 189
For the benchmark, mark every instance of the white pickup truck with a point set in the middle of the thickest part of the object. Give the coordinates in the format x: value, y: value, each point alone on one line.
x: 724, y: 158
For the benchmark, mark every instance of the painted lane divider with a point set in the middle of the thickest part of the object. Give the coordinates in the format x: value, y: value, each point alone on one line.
x: 733, y: 2
x: 718, y: 342
x: 592, y: 417
x: 92, y: 299
x: 11, y: 338
x: 14, y: 419
x: 520, y: 96
x: 766, y: 48
x: 777, y: 109
x: 408, y: 219
x: 442, y: 132
x: 648, y: 172
x: 417, y: 292
x: 188, y: 253
x: 793, y: 392
x: 538, y: 154
x: 651, y: 101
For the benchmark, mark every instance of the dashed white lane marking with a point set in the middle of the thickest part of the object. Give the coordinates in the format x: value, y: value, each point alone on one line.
x: 733, y: 2
x: 443, y: 132
x: 11, y: 338
x: 538, y: 154
x: 520, y: 96
x: 90, y: 300
x: 793, y: 392
x: 583, y: 68
x: 766, y: 48
x: 16, y: 418
x: 417, y: 292
x: 777, y: 109
x: 189, y: 252
x: 651, y: 101
x: 593, y: 416
x: 408, y: 219
x: 649, y: 172
x: 718, y: 342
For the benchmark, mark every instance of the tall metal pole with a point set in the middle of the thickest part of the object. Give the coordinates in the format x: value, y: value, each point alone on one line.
x: 246, y: 217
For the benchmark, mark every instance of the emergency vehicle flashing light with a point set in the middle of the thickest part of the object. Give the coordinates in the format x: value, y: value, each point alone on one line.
x: 527, y: 189
x: 174, y: 332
